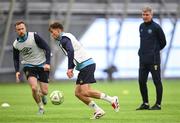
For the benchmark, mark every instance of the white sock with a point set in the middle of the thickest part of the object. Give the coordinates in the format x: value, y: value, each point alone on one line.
x: 106, y: 97
x: 94, y: 106
x: 40, y: 105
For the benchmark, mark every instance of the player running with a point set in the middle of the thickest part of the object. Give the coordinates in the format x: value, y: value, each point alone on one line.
x: 35, y: 54
x: 78, y: 57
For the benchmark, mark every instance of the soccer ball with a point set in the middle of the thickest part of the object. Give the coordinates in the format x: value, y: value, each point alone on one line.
x: 57, y: 97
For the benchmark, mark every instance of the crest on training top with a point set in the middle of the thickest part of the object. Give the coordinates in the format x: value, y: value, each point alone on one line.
x: 149, y: 31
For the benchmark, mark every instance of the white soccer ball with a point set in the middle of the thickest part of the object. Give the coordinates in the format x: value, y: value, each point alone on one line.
x: 57, y: 97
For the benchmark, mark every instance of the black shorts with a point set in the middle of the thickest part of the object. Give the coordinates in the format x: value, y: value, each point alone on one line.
x: 86, y: 75
x: 38, y: 72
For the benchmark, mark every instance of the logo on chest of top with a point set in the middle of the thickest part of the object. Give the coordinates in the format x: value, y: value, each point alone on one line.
x: 149, y: 31
x: 26, y: 51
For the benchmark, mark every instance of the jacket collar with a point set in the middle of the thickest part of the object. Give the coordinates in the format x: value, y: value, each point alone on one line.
x: 148, y: 23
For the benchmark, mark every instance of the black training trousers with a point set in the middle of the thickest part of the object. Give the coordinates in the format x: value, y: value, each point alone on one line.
x: 155, y: 71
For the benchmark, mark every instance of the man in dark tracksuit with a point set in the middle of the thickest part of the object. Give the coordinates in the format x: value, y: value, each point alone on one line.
x: 152, y: 40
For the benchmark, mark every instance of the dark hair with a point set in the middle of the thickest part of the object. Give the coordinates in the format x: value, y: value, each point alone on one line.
x: 56, y: 25
x: 20, y: 22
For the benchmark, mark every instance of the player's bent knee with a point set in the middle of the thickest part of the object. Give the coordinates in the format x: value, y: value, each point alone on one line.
x: 44, y: 92
x: 77, y: 94
x: 85, y: 93
x: 34, y: 89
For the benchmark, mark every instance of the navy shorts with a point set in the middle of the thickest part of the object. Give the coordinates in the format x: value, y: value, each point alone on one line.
x: 86, y: 75
x: 38, y: 72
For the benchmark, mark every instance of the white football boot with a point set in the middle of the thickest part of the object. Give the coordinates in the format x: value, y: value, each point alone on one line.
x: 98, y: 114
x: 115, y: 104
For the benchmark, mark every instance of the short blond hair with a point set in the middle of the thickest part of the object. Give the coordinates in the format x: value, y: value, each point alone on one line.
x: 147, y: 9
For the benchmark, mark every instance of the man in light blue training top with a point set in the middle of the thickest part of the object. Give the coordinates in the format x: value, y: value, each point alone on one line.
x: 35, y: 55
x: 77, y: 56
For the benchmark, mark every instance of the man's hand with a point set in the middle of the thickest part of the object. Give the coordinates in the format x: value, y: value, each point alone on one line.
x: 70, y: 73
x: 46, y: 67
x: 18, y: 77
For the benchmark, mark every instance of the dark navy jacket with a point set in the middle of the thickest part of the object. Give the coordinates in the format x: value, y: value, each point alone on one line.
x: 152, y: 40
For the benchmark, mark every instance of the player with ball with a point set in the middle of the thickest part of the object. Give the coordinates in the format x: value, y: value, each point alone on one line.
x: 77, y: 56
